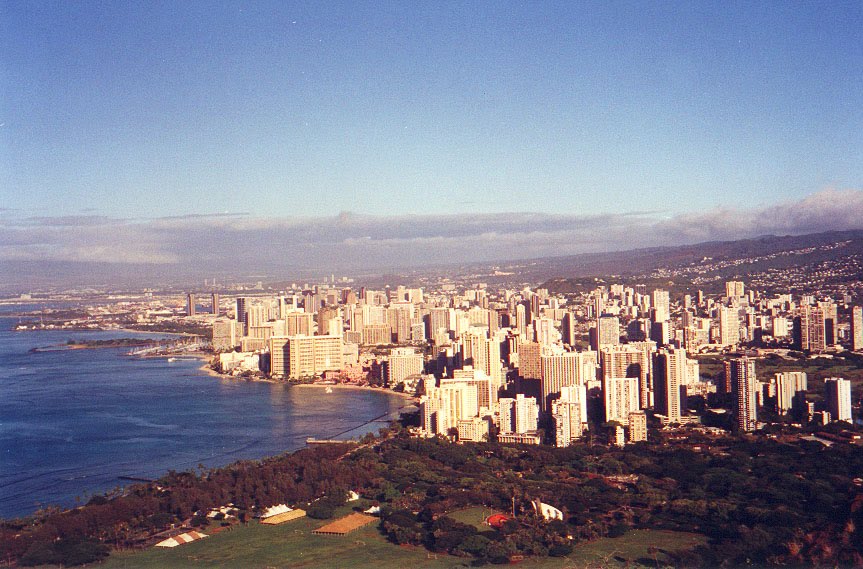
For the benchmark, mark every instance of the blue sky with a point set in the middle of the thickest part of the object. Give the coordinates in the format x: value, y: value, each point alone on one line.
x: 141, y: 110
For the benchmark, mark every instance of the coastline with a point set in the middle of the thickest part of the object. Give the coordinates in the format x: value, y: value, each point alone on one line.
x: 356, y: 387
x: 186, y: 373
x: 205, y: 367
x: 207, y: 358
x: 133, y: 331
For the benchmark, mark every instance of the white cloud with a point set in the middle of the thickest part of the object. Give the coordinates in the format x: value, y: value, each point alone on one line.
x: 352, y: 241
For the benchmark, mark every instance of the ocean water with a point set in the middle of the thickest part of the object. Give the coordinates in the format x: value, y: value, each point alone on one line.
x: 73, y: 422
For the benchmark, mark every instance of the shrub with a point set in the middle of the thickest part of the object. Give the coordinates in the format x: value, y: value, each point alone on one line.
x: 618, y: 530
x: 320, y: 511
x: 560, y: 550
x: 64, y: 552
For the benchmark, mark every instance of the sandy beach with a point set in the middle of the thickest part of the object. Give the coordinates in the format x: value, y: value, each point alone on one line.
x: 207, y: 358
x: 205, y: 367
x: 356, y: 387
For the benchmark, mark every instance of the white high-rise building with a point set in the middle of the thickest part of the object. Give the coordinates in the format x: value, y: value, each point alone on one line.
x: 299, y: 324
x: 295, y: 357
x: 519, y: 415
x: 483, y: 354
x: 225, y: 336
x: 661, y: 306
x: 475, y: 429
x: 569, y: 413
x: 441, y: 408
x: 788, y: 384
x: 606, y: 333
x: 486, y: 389
x: 558, y: 371
x: 670, y: 374
x: 621, y: 397
x: 857, y: 328
x: 567, y: 424
x: 837, y: 397
x: 631, y: 360
x: 402, y: 362
x: 779, y: 327
x: 544, y: 332
x: 734, y: 289
x: 729, y: 326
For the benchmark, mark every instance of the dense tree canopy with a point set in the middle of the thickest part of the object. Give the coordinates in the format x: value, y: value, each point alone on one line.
x: 756, y: 499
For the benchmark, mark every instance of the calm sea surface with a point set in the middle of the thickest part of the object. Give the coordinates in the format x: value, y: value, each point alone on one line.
x: 73, y: 422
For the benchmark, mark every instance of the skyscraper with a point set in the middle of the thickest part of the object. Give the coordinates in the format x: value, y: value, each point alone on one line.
x: 190, y: 304
x: 857, y: 328
x: 630, y: 360
x: 441, y: 408
x: 567, y: 326
x: 294, y: 357
x: 788, y: 385
x: 734, y: 289
x: 606, y: 332
x: 569, y: 415
x: 517, y: 415
x: 669, y: 375
x: 741, y: 375
x: 529, y: 360
x: 242, y: 313
x: 439, y: 319
x: 215, y: 303
x: 323, y: 318
x: 225, y: 334
x: 661, y: 306
x: 483, y: 354
x: 486, y: 389
x: 837, y: 397
x: 558, y: 371
x: 809, y: 329
x: 830, y: 322
x: 402, y: 362
x: 729, y: 326
x: 621, y: 398
x: 299, y: 324
x: 543, y: 331
x: 660, y: 332
x: 522, y: 320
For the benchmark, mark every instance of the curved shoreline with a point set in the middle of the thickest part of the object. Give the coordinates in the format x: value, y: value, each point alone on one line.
x: 357, y: 388
x: 205, y: 367
x: 88, y: 478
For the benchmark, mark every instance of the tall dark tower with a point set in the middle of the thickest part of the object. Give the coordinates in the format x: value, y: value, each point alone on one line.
x: 740, y: 374
x: 190, y: 304
x: 243, y: 313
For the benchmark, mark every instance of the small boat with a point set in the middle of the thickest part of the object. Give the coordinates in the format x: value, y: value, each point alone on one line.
x: 172, y: 360
x: 328, y: 389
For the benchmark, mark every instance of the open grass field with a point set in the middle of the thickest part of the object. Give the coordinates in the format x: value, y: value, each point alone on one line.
x: 293, y: 545
x: 473, y: 516
x: 627, y: 550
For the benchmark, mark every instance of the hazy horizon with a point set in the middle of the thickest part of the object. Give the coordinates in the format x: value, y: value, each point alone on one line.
x: 194, y: 138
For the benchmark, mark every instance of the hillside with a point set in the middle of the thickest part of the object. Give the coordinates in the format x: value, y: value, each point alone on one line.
x: 821, y: 259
